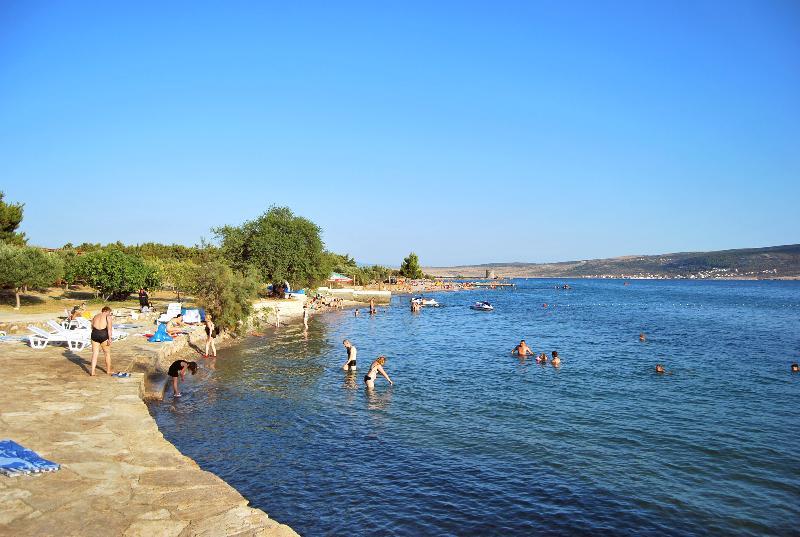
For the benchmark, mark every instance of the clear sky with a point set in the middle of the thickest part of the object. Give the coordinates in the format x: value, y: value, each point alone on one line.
x: 469, y: 132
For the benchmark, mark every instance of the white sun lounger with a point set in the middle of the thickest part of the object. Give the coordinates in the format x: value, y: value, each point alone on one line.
x: 40, y: 338
x: 83, y: 331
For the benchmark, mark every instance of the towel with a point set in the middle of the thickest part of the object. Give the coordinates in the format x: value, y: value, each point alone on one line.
x: 16, y: 460
x: 160, y: 335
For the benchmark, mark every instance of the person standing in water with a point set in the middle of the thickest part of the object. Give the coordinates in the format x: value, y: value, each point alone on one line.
x: 210, y: 335
x: 372, y: 310
x: 522, y: 349
x: 178, y: 368
x: 305, y: 315
x: 350, y: 364
x: 102, y: 331
x: 375, y: 368
x: 555, y: 361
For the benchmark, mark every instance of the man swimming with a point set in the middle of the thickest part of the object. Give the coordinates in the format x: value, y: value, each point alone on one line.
x: 660, y: 369
x: 522, y: 349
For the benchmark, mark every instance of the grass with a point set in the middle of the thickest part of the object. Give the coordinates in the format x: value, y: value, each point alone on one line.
x: 57, y: 299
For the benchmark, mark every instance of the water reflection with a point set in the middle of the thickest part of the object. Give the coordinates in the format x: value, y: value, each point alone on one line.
x: 378, y: 399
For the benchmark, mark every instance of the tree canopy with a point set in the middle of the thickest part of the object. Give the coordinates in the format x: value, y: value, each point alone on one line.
x: 114, y: 273
x: 410, y: 267
x: 26, y: 266
x: 10, y: 219
x: 278, y: 245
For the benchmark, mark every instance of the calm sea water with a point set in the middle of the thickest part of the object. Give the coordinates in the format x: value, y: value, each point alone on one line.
x: 473, y: 441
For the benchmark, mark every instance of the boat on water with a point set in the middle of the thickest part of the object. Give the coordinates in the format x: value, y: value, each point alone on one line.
x: 482, y: 306
x: 422, y: 301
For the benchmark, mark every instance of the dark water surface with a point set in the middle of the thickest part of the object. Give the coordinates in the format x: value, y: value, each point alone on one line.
x: 473, y: 441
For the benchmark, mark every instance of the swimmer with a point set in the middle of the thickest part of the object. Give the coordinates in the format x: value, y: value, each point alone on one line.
x: 660, y: 369
x: 541, y: 359
x: 350, y: 364
x: 522, y: 349
x: 642, y: 337
x: 355, y: 313
x: 375, y: 368
x: 795, y: 368
x: 372, y: 310
x: 556, y: 361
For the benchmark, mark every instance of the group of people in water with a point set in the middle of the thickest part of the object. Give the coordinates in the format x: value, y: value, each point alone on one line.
x: 523, y: 350
x: 375, y: 367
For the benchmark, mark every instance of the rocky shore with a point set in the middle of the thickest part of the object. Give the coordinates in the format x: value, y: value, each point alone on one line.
x: 118, y: 475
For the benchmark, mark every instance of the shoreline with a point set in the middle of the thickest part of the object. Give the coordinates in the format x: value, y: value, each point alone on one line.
x: 119, y: 475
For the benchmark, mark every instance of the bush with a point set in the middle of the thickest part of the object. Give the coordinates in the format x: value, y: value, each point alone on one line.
x: 225, y: 294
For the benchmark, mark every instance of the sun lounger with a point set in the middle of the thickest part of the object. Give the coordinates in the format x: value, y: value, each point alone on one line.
x: 83, y: 332
x: 75, y: 340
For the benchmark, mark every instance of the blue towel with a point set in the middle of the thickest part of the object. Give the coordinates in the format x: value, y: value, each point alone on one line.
x: 160, y: 335
x: 16, y: 460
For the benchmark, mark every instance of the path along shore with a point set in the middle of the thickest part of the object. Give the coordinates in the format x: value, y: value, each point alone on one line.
x: 118, y: 475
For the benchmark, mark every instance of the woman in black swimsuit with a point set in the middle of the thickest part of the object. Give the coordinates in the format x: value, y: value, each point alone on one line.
x: 350, y: 364
x: 178, y: 368
x: 375, y: 368
x: 101, y: 338
x: 210, y: 335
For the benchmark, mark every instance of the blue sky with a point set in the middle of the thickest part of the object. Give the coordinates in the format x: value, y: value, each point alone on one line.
x: 468, y: 132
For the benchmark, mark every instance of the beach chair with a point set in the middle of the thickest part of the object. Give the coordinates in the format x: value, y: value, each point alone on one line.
x: 173, y: 310
x: 76, y: 341
x: 83, y: 332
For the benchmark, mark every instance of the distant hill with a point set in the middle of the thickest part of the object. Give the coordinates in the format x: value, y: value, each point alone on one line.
x: 747, y: 263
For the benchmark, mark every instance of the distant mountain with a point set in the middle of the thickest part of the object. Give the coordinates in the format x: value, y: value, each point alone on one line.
x: 747, y: 263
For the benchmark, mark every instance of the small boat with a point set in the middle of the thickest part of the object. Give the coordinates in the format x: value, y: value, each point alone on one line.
x: 422, y: 301
x: 482, y: 306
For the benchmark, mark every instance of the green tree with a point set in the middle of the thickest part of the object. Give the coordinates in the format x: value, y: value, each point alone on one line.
x: 180, y: 276
x: 25, y: 266
x: 226, y: 294
x: 410, y: 267
x: 114, y: 273
x: 10, y: 219
x: 279, y: 245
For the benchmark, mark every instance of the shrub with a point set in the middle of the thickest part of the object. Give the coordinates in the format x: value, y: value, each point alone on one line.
x: 226, y: 294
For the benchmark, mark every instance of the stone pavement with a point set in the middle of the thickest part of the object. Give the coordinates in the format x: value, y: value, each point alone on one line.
x: 119, y: 476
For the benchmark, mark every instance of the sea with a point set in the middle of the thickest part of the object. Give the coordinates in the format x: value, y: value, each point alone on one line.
x: 471, y: 440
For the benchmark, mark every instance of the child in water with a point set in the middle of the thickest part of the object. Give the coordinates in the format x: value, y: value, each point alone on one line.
x: 541, y: 359
x: 178, y: 368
